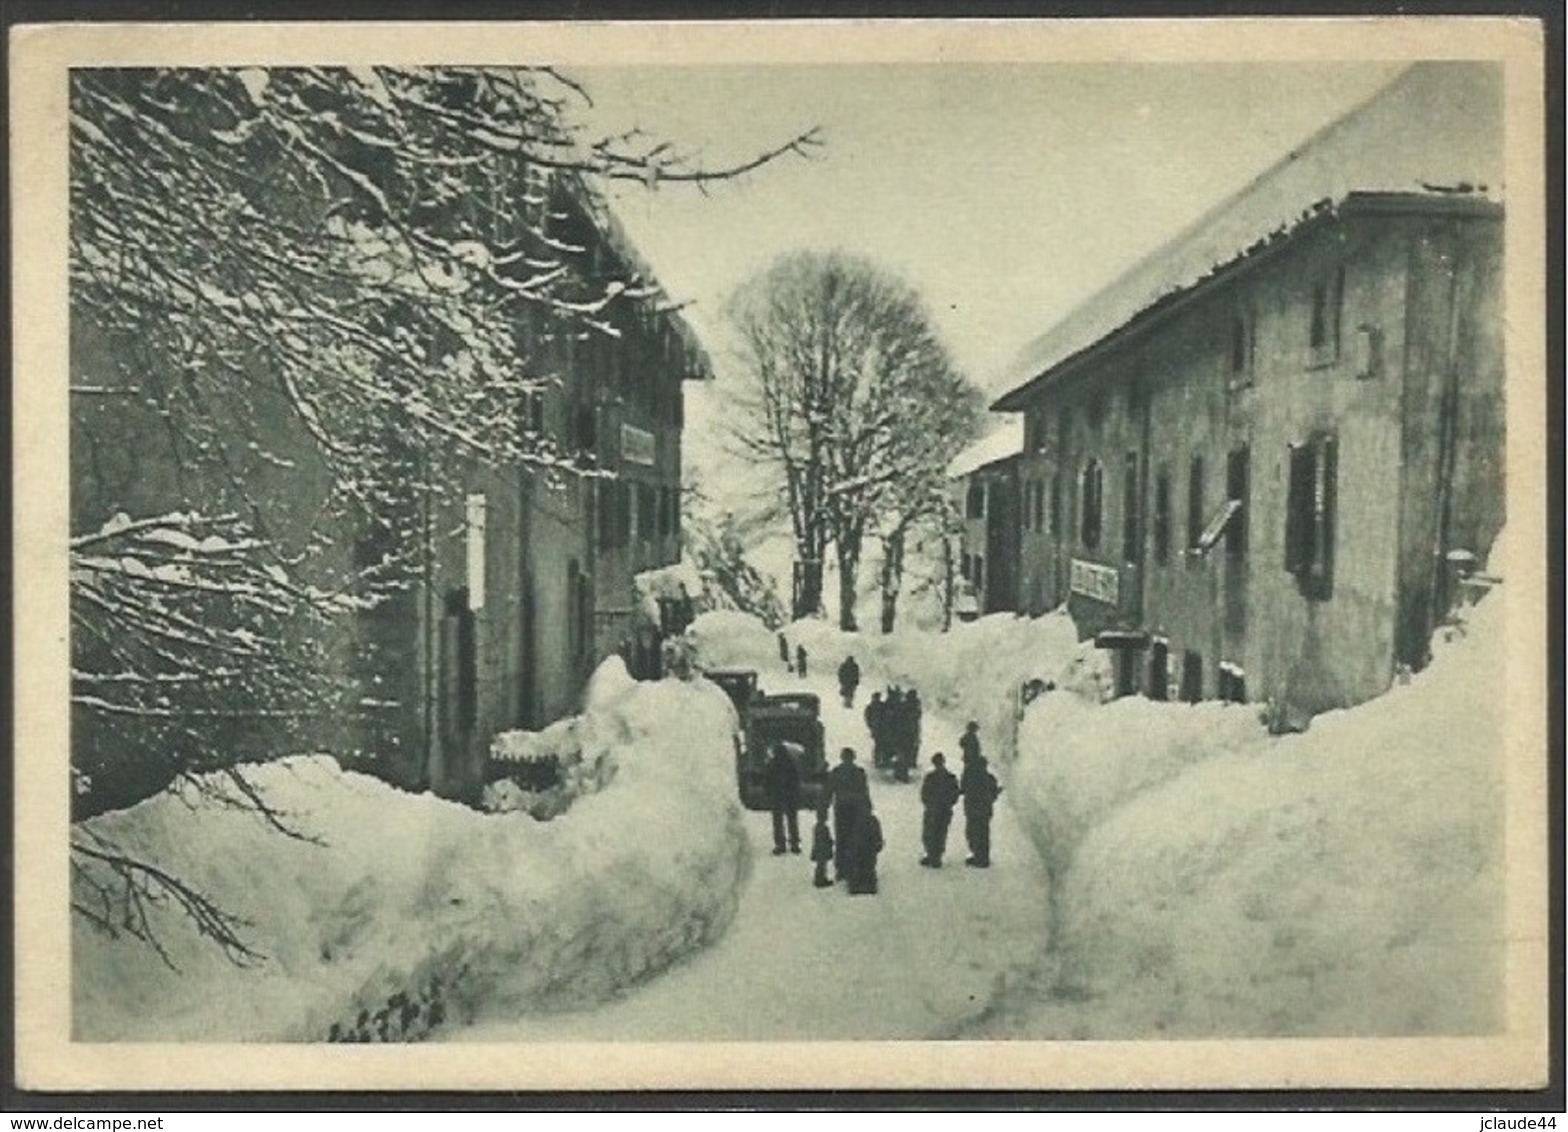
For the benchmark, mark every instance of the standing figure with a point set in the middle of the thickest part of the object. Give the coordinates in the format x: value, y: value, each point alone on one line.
x: 783, y: 778
x: 863, y: 859
x: 821, y: 850
x: 980, y: 789
x: 848, y: 680
x: 850, y: 795
x: 784, y: 653
x: 800, y: 661
x: 938, y: 794
x: 874, y: 724
x: 911, y: 735
x: 969, y: 744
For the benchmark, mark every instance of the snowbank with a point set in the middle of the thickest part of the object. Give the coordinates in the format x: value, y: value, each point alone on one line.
x: 414, y: 911
x: 1214, y: 880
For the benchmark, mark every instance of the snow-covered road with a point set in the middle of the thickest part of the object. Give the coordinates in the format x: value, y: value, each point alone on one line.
x: 926, y: 955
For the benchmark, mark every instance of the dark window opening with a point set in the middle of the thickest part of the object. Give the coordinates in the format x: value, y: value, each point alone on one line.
x: 1309, y: 516
x: 461, y: 662
x: 1162, y: 516
x: 1056, y: 505
x: 1159, y: 671
x: 1130, y: 516
x: 1090, y: 504
x: 1191, y: 677
x: 1323, y: 329
x: 585, y: 427
x: 975, y: 503
x: 1039, y: 505
x: 647, y: 511
x: 533, y: 412
x: 1232, y: 684
x: 1195, y: 514
x: 1237, y: 476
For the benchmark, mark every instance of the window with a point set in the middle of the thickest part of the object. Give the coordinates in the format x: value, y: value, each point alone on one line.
x: 1159, y: 670
x: 1056, y: 505
x: 1240, y: 350
x: 607, y: 514
x: 1191, y: 677
x: 647, y: 512
x: 1039, y: 505
x: 1130, y: 514
x: 585, y: 426
x: 1323, y: 330
x: 975, y: 504
x: 1309, y: 516
x: 1237, y: 475
x: 1232, y: 683
x: 1090, y: 503
x: 1195, y: 501
x: 966, y: 567
x: 1162, y: 516
x: 532, y: 411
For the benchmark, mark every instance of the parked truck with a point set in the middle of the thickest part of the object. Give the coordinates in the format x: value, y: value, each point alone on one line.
x: 793, y: 720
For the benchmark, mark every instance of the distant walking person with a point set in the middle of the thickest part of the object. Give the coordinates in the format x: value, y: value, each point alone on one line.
x: 800, y: 661
x: 980, y: 789
x: 938, y: 794
x: 875, y: 724
x: 783, y: 779
x: 911, y: 735
x: 848, y: 680
x: 863, y: 858
x: 784, y: 654
x: 821, y: 850
x: 850, y: 796
x: 970, y: 743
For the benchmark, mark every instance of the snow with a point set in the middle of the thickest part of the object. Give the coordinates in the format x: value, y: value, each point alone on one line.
x: 679, y: 579
x: 412, y: 901
x: 1370, y: 149
x: 931, y: 952
x: 1005, y: 438
x: 1213, y: 880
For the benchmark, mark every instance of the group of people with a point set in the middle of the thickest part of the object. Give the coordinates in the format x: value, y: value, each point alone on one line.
x: 939, y: 794
x: 893, y: 718
x: 853, y: 842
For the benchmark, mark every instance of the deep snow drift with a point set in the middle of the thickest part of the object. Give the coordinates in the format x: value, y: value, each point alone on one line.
x: 932, y: 951
x: 1213, y: 880
x: 415, y: 911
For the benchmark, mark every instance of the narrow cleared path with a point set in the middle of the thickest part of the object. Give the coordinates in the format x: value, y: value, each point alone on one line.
x: 926, y: 955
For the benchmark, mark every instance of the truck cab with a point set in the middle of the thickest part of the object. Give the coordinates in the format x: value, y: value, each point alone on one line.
x: 794, y: 721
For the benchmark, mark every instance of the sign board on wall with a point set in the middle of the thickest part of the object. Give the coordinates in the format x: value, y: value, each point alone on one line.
x: 1102, y: 583
x: 637, y: 445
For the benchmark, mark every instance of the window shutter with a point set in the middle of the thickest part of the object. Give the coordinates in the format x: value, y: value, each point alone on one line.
x: 1298, y: 508
x: 1324, y: 490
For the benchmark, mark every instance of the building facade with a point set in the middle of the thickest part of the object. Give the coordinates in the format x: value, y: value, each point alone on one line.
x: 523, y: 576
x: 1255, y: 483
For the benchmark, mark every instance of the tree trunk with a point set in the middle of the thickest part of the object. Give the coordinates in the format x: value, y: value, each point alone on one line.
x: 808, y: 588
x: 892, y: 577
x: 947, y: 582
x: 848, y: 569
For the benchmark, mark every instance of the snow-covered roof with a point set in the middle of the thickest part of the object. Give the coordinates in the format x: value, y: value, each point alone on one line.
x: 694, y: 356
x: 1005, y: 439
x: 1438, y: 124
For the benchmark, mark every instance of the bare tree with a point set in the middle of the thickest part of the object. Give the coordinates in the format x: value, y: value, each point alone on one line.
x: 366, y: 263
x: 853, y: 398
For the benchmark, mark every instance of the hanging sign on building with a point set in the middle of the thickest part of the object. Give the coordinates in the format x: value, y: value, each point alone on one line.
x: 637, y: 445
x: 1102, y: 583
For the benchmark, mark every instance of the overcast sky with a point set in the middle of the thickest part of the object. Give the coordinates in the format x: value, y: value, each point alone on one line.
x: 1004, y: 193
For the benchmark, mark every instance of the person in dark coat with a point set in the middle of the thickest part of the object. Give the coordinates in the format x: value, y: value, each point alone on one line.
x: 970, y: 743
x: 938, y: 795
x: 911, y: 750
x: 800, y: 661
x: 850, y: 795
x: 874, y: 724
x: 892, y: 727
x: 821, y: 850
x: 848, y: 680
x: 863, y: 858
x: 980, y: 789
x: 784, y: 653
x: 782, y: 774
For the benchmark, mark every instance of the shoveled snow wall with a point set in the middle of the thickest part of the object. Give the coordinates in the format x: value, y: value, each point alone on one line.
x: 406, y: 911
x: 1212, y: 880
